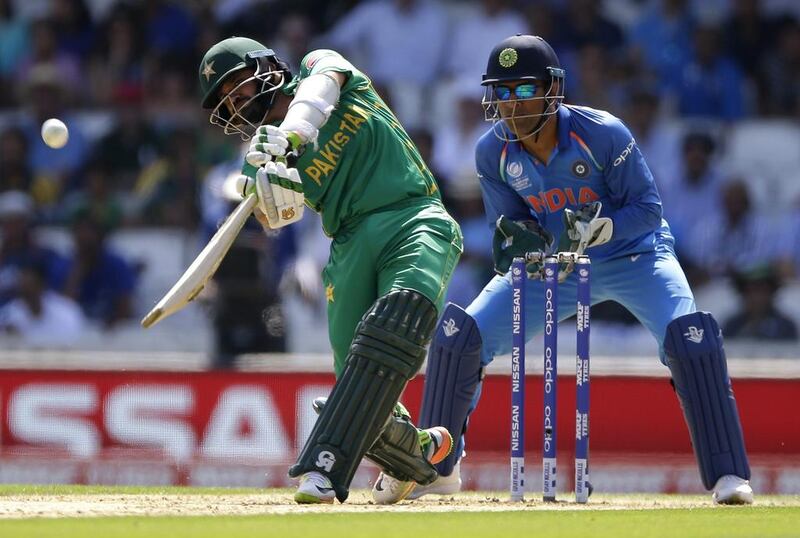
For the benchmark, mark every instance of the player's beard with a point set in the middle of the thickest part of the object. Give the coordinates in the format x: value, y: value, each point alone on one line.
x: 256, y: 110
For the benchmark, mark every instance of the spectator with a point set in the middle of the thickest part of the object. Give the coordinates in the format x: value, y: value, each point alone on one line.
x: 372, y: 36
x: 720, y: 244
x: 13, y: 44
x: 52, y: 168
x: 749, y: 35
x: 96, y: 197
x: 31, y: 9
x: 661, y: 40
x: 15, y: 173
x: 166, y: 191
x: 541, y: 17
x: 789, y: 252
x: 38, y: 316
x: 19, y: 246
x: 169, y: 28
x: 132, y: 144
x: 167, y: 96
x: 208, y: 31
x: 582, y: 24
x: 100, y: 280
x: 475, y: 265
x: 246, y: 307
x: 44, y: 51
x: 781, y: 73
x: 711, y: 84
x: 596, y: 80
x: 115, y: 66
x: 759, y: 318
x: 302, y: 291
x: 247, y: 313
x: 458, y: 134
x: 693, y: 189
x: 485, y: 23
x: 293, y: 40
x: 74, y: 29
x: 462, y: 199
x: 228, y: 11
x: 658, y: 143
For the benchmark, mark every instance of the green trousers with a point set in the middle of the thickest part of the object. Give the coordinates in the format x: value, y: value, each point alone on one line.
x: 413, y: 246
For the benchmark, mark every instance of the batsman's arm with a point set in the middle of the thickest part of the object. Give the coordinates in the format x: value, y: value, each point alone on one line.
x: 311, y: 107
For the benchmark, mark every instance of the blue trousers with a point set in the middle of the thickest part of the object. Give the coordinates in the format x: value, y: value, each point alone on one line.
x: 650, y: 285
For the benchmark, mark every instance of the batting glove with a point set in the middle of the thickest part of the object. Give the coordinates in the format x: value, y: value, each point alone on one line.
x: 269, y: 143
x: 280, y: 193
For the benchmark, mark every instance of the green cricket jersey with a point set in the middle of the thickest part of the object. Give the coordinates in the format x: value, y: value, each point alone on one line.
x: 364, y: 159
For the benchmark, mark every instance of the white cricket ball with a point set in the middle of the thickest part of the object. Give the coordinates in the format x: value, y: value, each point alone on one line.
x: 54, y: 133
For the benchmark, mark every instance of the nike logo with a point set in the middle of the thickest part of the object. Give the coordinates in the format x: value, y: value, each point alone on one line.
x: 379, y: 483
x: 635, y: 257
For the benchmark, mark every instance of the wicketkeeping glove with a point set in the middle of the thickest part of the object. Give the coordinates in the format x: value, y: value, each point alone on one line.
x: 583, y: 228
x: 513, y: 239
x: 280, y: 193
x: 269, y: 143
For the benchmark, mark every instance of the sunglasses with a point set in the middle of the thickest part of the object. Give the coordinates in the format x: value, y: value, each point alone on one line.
x: 523, y: 91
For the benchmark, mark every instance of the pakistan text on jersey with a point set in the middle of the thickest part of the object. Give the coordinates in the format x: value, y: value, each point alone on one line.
x: 327, y: 157
x: 554, y: 199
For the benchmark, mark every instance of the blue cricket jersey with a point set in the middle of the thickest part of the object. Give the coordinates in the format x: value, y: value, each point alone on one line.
x: 596, y: 158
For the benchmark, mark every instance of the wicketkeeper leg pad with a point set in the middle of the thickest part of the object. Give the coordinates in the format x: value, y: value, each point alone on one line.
x: 696, y: 359
x: 452, y: 378
x: 387, y: 350
x: 397, y: 449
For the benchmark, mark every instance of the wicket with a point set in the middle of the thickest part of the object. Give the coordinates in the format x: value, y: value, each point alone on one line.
x: 550, y: 377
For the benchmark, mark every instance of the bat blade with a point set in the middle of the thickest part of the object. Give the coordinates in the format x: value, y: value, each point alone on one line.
x: 204, y: 265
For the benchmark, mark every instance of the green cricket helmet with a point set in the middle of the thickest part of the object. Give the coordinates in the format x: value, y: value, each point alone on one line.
x: 237, y: 112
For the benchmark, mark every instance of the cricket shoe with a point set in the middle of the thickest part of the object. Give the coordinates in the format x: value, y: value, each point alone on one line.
x: 314, y: 488
x: 444, y: 485
x: 436, y: 445
x: 730, y: 489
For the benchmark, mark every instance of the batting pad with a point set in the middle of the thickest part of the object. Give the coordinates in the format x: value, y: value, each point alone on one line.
x: 452, y: 378
x: 696, y: 359
x: 387, y: 350
x: 397, y: 450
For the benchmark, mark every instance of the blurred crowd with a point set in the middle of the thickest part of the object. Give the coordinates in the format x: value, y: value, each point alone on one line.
x: 709, y: 88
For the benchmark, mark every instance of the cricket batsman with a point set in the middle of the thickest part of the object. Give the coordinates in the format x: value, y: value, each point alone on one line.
x: 325, y: 139
x: 557, y: 178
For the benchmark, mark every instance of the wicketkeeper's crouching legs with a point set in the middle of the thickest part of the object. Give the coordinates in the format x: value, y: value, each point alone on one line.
x: 387, y: 351
x: 452, y: 379
x: 696, y: 359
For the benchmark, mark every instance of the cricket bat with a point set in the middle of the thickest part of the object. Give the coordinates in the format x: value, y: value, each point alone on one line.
x: 204, y: 266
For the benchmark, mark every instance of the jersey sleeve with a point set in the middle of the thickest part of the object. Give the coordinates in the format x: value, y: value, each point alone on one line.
x: 321, y: 61
x: 498, y: 197
x: 635, y: 203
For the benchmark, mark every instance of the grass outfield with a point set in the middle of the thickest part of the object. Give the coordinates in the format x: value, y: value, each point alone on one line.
x: 109, y: 512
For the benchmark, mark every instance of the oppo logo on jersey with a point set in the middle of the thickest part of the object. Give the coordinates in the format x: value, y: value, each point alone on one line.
x: 625, y: 153
x: 555, y: 199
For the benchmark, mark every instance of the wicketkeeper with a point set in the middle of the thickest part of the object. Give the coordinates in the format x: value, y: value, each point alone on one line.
x: 558, y: 177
